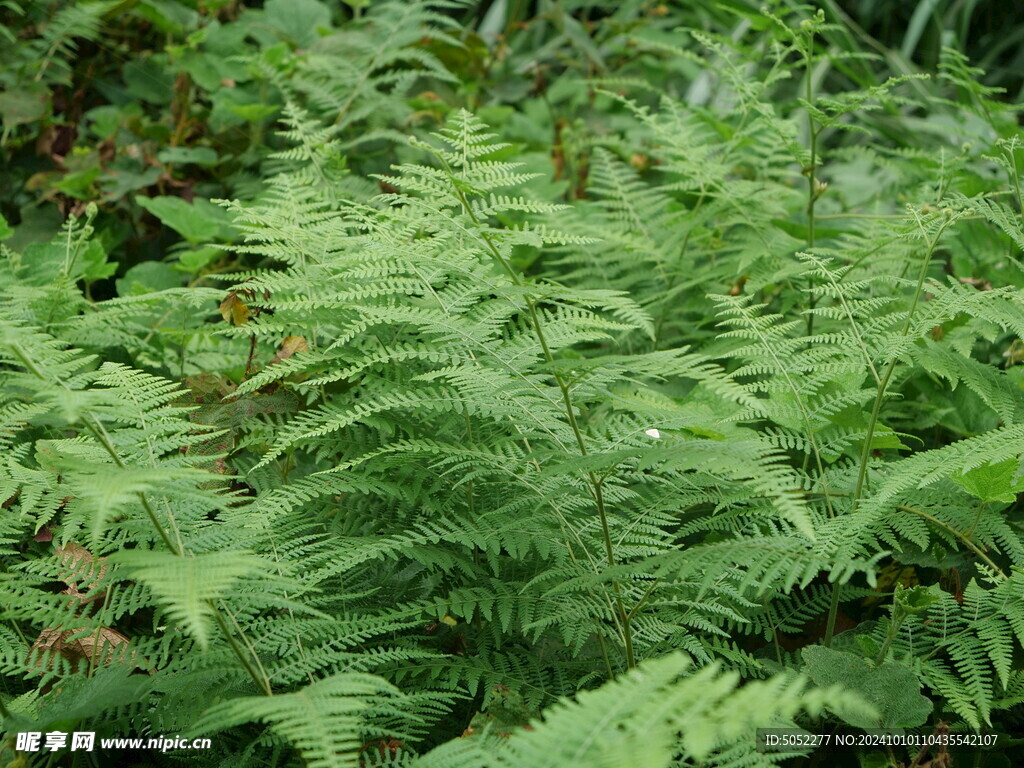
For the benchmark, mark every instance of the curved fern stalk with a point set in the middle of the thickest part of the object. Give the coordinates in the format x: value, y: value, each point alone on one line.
x: 470, y: 133
x: 964, y: 538
x: 814, y: 189
x: 948, y: 217
x: 832, y: 276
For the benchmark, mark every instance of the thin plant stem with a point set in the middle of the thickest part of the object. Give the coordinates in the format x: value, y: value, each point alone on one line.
x: 964, y: 538
x: 812, y: 177
x: 876, y: 408
x: 623, y: 617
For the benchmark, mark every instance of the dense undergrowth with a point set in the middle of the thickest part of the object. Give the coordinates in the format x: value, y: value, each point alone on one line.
x: 445, y: 386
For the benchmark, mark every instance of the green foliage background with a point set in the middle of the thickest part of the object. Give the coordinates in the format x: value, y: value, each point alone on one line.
x: 511, y: 384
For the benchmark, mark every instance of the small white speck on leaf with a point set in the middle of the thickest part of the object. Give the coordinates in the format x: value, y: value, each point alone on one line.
x: 653, y: 433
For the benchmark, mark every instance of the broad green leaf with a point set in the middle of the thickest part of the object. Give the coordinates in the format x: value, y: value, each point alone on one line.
x: 253, y: 113
x: 23, y: 105
x: 79, y: 184
x: 39, y: 223
x: 194, y: 225
x: 297, y: 20
x: 147, y: 277
x: 93, y: 262
x: 126, y: 176
x: 892, y: 688
x: 1001, y: 481
x: 42, y: 262
x: 208, y: 70
x: 168, y: 15
x: 197, y: 155
x: 104, y: 120
x: 225, y: 101
x: 148, y: 80
x: 193, y: 260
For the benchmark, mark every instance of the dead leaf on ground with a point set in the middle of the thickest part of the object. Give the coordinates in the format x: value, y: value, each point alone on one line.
x: 1015, y: 353
x: 103, y: 646
x: 82, y: 567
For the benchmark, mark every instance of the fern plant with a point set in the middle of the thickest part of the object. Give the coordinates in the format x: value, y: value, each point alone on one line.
x: 454, y: 474
x: 834, y: 375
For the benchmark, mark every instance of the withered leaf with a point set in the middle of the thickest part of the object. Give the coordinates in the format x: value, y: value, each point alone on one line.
x: 1015, y: 353
x: 80, y: 565
x: 234, y: 310
x: 95, y: 646
x: 207, y: 388
x: 981, y: 285
x: 289, y: 347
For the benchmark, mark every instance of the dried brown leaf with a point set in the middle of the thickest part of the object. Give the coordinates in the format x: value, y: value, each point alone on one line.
x: 234, y: 310
x: 290, y: 346
x: 82, y: 566
x: 103, y: 646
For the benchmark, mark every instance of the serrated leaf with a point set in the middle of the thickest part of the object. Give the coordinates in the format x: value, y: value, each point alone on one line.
x: 297, y: 20
x: 1001, y: 481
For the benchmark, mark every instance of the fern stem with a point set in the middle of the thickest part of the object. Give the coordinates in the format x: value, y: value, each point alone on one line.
x: 964, y: 538
x: 570, y: 533
x: 890, y: 636
x: 97, y: 637
x: 865, y: 454
x: 887, y: 375
x: 595, y: 482
x: 624, y: 618
x: 261, y: 681
x: 805, y: 415
x: 812, y: 178
x: 977, y: 519
x: 604, y: 655
x: 1015, y: 178
x: 643, y: 598
x: 671, y: 282
x: 854, y: 328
